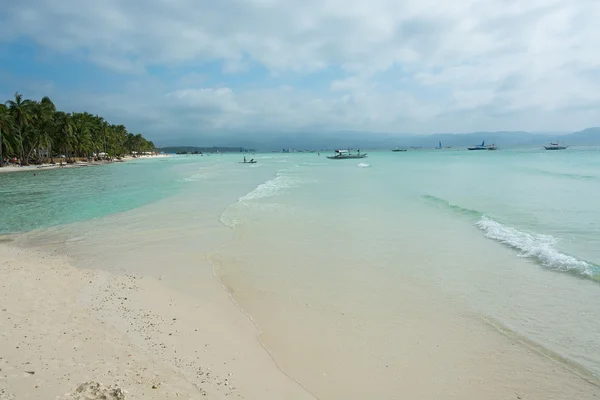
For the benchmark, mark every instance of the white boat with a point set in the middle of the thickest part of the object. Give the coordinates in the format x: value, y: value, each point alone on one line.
x: 555, y: 146
x: 346, y: 154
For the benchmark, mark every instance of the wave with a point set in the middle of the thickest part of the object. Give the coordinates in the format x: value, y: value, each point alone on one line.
x: 538, y: 247
x: 312, y: 164
x: 452, y: 207
x: 541, y: 248
x: 196, y: 177
x: 363, y: 165
x: 273, y: 187
x: 563, y: 174
x: 246, y: 206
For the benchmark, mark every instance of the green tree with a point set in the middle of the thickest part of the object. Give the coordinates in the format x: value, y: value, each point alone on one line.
x: 36, y: 130
x: 5, y: 133
x: 21, y: 114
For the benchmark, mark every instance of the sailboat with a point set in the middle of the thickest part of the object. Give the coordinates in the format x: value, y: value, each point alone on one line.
x: 439, y: 147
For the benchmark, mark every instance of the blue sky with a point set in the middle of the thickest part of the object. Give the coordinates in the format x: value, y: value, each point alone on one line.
x: 197, y: 68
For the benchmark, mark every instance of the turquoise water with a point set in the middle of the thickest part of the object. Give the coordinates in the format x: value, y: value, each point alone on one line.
x: 511, y: 235
x: 62, y: 196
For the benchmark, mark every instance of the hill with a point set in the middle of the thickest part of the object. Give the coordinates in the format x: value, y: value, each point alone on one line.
x: 194, y: 149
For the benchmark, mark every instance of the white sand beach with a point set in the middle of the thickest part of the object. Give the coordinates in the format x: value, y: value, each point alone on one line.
x: 44, y: 167
x: 70, y: 333
x: 61, y: 327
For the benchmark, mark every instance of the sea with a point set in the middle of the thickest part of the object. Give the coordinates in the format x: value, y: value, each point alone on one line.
x: 328, y: 256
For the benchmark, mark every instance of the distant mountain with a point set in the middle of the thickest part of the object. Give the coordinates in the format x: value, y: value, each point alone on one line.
x: 372, y: 140
x: 193, y: 149
x: 586, y: 136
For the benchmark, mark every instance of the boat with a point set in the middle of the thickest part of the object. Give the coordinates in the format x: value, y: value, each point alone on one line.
x: 345, y: 154
x: 252, y: 161
x: 478, y: 146
x: 555, y: 146
x: 398, y: 149
x: 439, y: 147
x: 483, y: 146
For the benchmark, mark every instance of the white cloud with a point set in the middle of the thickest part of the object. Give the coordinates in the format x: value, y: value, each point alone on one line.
x: 491, y: 64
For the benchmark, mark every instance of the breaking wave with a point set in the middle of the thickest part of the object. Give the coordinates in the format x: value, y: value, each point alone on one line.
x: 247, y: 205
x: 539, y: 247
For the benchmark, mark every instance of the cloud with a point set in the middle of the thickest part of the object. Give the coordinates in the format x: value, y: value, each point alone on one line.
x: 401, y: 65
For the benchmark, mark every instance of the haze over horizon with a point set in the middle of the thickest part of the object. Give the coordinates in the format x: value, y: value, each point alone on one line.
x: 185, y: 70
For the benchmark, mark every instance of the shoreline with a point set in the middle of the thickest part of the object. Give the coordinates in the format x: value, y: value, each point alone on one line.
x: 70, y: 325
x: 47, y: 167
x: 64, y: 326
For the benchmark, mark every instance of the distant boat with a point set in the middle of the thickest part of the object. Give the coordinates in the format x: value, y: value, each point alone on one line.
x: 345, y: 154
x: 398, y: 149
x: 555, y: 146
x: 478, y: 146
x: 439, y: 147
x: 252, y: 161
x: 483, y: 146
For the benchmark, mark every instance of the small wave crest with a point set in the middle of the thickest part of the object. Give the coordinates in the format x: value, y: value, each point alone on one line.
x: 563, y: 174
x: 195, y: 177
x: 247, y: 205
x: 363, y: 165
x: 452, y: 207
x: 272, y: 187
x: 311, y: 164
x: 541, y: 248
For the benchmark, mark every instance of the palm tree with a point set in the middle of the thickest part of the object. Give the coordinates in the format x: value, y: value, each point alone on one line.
x: 4, y: 121
x: 64, y: 137
x: 39, y: 133
x: 21, y: 113
x: 45, y: 125
x: 30, y: 128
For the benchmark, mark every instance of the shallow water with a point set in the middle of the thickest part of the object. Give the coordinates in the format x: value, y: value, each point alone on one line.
x: 326, y: 255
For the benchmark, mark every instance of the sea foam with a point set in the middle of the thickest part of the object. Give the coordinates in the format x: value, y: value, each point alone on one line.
x: 247, y: 206
x: 539, y: 247
x: 273, y: 187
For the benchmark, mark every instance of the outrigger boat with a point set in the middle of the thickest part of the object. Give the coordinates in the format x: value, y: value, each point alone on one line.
x: 483, y: 146
x: 398, y: 149
x: 555, y: 146
x: 345, y: 154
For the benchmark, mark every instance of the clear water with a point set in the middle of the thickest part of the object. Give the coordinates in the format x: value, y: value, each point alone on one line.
x: 309, y: 245
x: 62, y: 196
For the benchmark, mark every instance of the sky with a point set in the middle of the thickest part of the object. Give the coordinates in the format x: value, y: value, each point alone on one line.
x: 189, y: 70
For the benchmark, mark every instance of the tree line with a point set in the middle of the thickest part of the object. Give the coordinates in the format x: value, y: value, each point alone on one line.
x: 36, y: 132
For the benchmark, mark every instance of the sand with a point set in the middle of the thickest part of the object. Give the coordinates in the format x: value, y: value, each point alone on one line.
x: 75, y: 333
x: 45, y: 167
x: 68, y: 333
